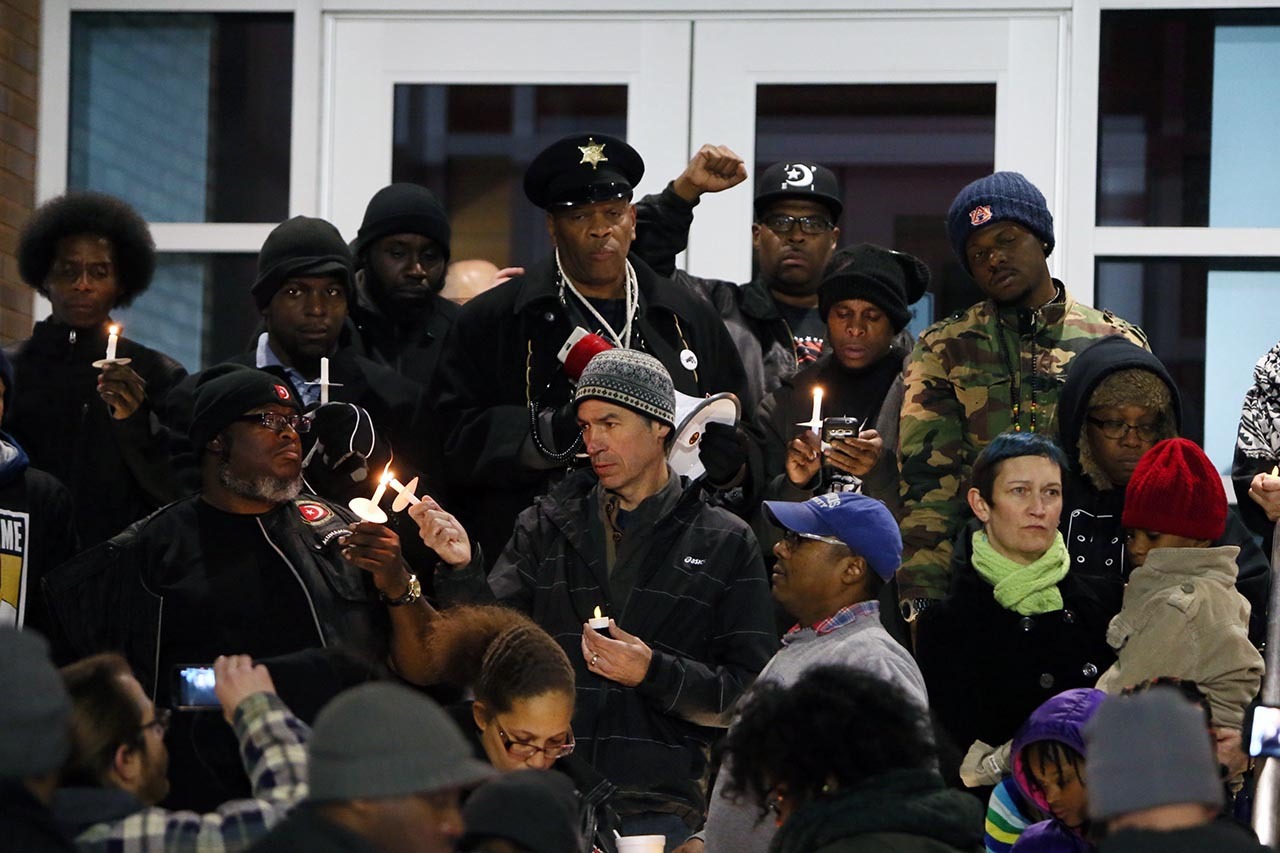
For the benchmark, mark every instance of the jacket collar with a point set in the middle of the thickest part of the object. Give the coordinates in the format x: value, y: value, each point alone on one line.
x: 537, y: 287
x: 1166, y: 567
x: 758, y: 302
x: 77, y: 809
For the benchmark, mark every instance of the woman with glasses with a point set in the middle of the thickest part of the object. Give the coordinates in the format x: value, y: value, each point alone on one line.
x: 522, y: 713
x: 1118, y: 401
x: 843, y: 761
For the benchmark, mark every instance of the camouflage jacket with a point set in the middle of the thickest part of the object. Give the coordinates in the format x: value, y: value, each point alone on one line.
x: 963, y: 380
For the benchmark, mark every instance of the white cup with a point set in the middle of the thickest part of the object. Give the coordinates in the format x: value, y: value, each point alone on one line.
x: 642, y: 843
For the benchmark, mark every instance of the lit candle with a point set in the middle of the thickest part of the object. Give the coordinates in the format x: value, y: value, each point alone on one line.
x: 406, y: 493
x: 1275, y: 472
x: 324, y: 381
x: 382, y: 488
x: 598, y: 622
x: 817, y: 405
x: 113, y: 339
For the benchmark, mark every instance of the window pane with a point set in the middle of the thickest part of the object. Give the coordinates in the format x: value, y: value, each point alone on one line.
x: 901, y: 153
x: 1192, y: 313
x: 471, y: 144
x: 198, y: 309
x: 185, y: 116
x: 1181, y: 97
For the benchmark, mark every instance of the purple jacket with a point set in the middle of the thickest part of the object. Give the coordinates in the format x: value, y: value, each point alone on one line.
x: 1060, y: 719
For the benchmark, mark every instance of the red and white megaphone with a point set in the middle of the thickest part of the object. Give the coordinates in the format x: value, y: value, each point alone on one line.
x: 692, y: 413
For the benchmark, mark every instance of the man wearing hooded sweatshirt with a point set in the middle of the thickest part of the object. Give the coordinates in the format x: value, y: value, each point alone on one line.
x: 37, y: 527
x: 1117, y: 402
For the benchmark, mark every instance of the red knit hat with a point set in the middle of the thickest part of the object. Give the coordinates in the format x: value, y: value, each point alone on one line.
x: 1175, y: 489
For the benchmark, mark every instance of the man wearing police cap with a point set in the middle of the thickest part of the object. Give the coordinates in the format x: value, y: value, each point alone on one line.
x: 505, y: 399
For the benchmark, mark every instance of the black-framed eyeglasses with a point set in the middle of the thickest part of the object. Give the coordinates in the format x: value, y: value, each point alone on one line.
x: 525, y: 750
x: 1118, y: 430
x: 793, y: 538
x: 781, y: 223
x: 160, y: 722
x: 277, y: 422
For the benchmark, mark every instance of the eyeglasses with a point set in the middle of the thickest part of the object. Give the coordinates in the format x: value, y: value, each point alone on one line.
x: 70, y: 273
x: 792, y: 539
x: 160, y: 722
x: 1118, y: 430
x: 277, y: 422
x: 524, y: 750
x: 782, y: 224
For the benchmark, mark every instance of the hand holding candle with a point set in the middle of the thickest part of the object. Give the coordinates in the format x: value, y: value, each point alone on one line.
x: 367, y: 508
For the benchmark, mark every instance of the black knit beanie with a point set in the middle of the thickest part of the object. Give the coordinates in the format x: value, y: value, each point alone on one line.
x: 890, y: 280
x: 225, y: 392
x: 404, y: 209
x: 300, y: 246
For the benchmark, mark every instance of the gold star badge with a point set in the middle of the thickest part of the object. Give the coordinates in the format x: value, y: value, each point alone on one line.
x: 592, y: 153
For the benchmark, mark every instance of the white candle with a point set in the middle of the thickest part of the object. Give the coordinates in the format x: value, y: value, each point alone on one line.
x: 598, y: 622
x: 817, y: 407
x: 382, y: 488
x: 324, y: 383
x: 113, y: 339
x: 404, y: 491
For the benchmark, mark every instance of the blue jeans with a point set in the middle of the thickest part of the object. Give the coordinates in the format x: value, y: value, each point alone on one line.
x: 658, y: 823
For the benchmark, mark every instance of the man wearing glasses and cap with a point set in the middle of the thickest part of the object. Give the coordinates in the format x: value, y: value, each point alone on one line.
x: 774, y: 318
x: 505, y: 400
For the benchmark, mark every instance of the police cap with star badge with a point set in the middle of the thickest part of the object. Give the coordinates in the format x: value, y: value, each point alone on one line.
x: 581, y: 169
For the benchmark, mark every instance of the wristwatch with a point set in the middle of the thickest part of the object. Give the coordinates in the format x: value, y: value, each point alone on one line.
x: 412, y: 594
x: 913, y: 607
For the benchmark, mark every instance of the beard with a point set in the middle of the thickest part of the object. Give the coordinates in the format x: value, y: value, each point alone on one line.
x: 276, y: 490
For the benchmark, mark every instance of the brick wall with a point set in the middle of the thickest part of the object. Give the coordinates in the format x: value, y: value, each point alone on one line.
x: 19, y: 73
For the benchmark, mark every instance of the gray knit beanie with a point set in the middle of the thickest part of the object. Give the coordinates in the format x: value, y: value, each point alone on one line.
x: 383, y: 740
x: 632, y: 379
x: 1000, y: 197
x: 35, y: 711
x: 1146, y: 750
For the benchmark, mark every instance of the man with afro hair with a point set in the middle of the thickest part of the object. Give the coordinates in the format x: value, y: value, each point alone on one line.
x: 93, y: 428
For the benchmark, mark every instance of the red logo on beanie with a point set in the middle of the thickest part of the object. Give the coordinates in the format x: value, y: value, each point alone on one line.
x: 980, y: 214
x: 282, y: 392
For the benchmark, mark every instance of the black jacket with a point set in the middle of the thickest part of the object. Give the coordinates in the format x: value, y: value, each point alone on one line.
x: 501, y: 355
x: 988, y: 668
x: 1220, y: 836
x: 414, y: 353
x: 1091, y: 517
x: 700, y: 601
x: 106, y: 599
x: 306, y: 829
x: 48, y: 535
x: 26, y: 824
x: 117, y: 470
x: 758, y: 329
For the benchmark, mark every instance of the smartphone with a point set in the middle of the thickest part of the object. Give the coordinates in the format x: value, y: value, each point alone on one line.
x: 1264, y: 731
x: 833, y: 428
x: 193, y: 688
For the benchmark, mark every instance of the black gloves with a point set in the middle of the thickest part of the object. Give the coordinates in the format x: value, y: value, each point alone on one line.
x: 723, y: 453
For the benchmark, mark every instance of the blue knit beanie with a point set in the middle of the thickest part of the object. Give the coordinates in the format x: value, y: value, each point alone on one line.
x: 1003, y: 196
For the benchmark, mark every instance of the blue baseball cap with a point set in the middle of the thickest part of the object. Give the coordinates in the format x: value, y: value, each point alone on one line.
x: 862, y: 523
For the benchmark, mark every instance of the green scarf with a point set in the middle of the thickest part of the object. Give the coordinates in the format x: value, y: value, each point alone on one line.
x: 1028, y: 590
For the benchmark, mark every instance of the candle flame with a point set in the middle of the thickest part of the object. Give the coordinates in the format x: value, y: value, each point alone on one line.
x: 817, y: 390
x: 597, y: 613
x: 387, y: 476
x: 113, y: 329
x: 1275, y: 472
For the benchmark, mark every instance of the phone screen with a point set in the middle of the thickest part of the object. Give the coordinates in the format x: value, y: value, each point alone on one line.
x: 1264, y: 734
x: 193, y: 686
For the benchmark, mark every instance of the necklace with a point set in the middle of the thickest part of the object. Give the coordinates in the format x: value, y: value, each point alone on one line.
x: 632, y: 289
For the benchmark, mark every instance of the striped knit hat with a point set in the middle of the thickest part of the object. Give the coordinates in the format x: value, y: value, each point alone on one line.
x: 632, y: 379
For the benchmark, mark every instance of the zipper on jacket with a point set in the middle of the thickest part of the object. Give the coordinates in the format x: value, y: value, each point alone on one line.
x: 306, y: 592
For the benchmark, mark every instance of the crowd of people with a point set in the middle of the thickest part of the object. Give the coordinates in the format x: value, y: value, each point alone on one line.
x: 413, y: 575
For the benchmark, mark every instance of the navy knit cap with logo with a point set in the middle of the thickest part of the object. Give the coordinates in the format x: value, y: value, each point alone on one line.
x: 887, y: 279
x: 403, y: 208
x: 1001, y: 197
x: 226, y: 392
x: 296, y: 247
x: 632, y: 379
x: 862, y: 523
x: 582, y: 169
x: 802, y: 181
